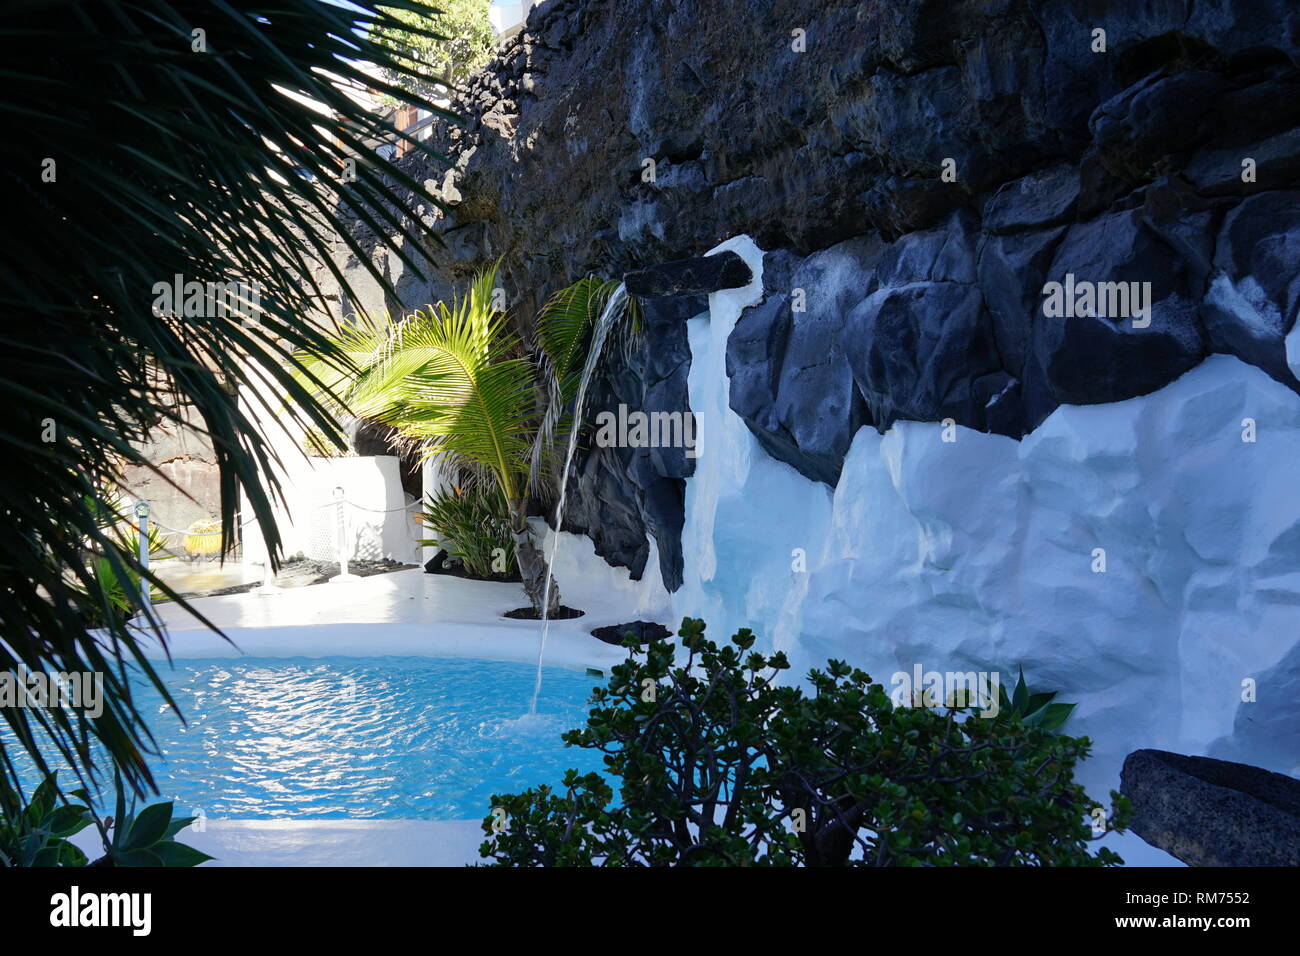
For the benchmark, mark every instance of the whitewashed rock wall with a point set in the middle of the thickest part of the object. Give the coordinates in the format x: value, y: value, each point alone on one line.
x: 979, y: 553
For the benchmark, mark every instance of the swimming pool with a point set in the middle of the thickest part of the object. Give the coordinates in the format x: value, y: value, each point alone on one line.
x: 346, y: 737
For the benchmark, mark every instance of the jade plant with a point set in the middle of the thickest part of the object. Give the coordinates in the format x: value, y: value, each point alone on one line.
x: 715, y: 763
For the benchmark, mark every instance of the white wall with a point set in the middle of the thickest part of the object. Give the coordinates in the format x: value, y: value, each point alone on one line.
x: 378, y: 522
x: 978, y: 554
x: 508, y: 16
x: 373, y: 531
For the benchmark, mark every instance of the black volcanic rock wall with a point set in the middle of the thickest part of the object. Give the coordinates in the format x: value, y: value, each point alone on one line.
x: 619, y: 495
x: 891, y: 292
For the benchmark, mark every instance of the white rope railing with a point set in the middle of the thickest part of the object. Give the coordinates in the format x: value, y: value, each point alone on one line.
x: 268, y: 585
x: 378, y: 511
x: 196, y: 534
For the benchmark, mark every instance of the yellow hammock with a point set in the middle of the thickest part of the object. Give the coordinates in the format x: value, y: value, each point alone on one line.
x: 203, y: 538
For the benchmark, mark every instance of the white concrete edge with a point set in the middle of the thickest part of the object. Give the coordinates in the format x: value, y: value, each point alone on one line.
x: 564, y: 648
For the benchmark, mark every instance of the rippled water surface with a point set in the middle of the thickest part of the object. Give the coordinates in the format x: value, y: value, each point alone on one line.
x: 415, y: 738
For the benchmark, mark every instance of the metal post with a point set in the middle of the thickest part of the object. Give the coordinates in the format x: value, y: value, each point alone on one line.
x: 142, y: 516
x: 434, y: 478
x: 342, y: 540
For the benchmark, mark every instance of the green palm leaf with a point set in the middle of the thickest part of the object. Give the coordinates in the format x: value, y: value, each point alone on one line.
x: 135, y: 158
x: 564, y: 325
x: 451, y: 379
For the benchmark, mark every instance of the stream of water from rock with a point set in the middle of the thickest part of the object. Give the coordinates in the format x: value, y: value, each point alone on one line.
x: 603, y: 324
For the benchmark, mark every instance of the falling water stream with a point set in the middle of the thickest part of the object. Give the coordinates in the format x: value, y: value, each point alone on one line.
x: 593, y: 356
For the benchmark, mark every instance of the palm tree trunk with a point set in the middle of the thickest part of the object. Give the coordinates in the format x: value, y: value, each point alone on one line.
x: 532, y: 563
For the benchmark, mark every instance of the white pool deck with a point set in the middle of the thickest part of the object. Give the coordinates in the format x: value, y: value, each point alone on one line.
x: 405, y: 613
x: 327, y: 842
x: 402, y: 613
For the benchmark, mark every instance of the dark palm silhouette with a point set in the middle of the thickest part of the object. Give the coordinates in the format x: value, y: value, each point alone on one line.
x: 149, y: 139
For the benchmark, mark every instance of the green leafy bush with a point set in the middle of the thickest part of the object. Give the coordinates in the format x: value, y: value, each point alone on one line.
x: 147, y: 838
x: 473, y: 524
x: 719, y: 765
x: 40, y: 833
x: 439, y: 43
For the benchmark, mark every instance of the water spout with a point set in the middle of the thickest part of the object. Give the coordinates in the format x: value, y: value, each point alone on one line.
x: 603, y: 325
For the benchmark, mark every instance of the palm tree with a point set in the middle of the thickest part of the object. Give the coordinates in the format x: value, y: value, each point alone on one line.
x: 146, y: 140
x: 458, y: 383
x: 453, y: 380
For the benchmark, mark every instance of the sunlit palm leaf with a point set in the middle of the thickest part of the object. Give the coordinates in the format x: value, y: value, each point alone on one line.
x: 448, y: 378
x: 563, y: 330
x: 456, y: 385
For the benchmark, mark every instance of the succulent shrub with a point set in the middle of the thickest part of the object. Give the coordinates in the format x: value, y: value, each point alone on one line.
x: 39, y: 834
x: 1034, y: 709
x: 146, y: 838
x: 717, y: 764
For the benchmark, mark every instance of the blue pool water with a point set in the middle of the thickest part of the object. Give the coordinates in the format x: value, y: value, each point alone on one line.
x: 398, y: 737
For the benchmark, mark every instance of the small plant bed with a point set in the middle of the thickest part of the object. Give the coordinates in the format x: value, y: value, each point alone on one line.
x: 563, y: 613
x: 643, y: 631
x: 442, y: 563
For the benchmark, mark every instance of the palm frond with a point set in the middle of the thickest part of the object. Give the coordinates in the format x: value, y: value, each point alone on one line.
x: 143, y: 150
x: 449, y: 379
x: 356, y: 346
x: 469, y: 397
x: 564, y: 329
